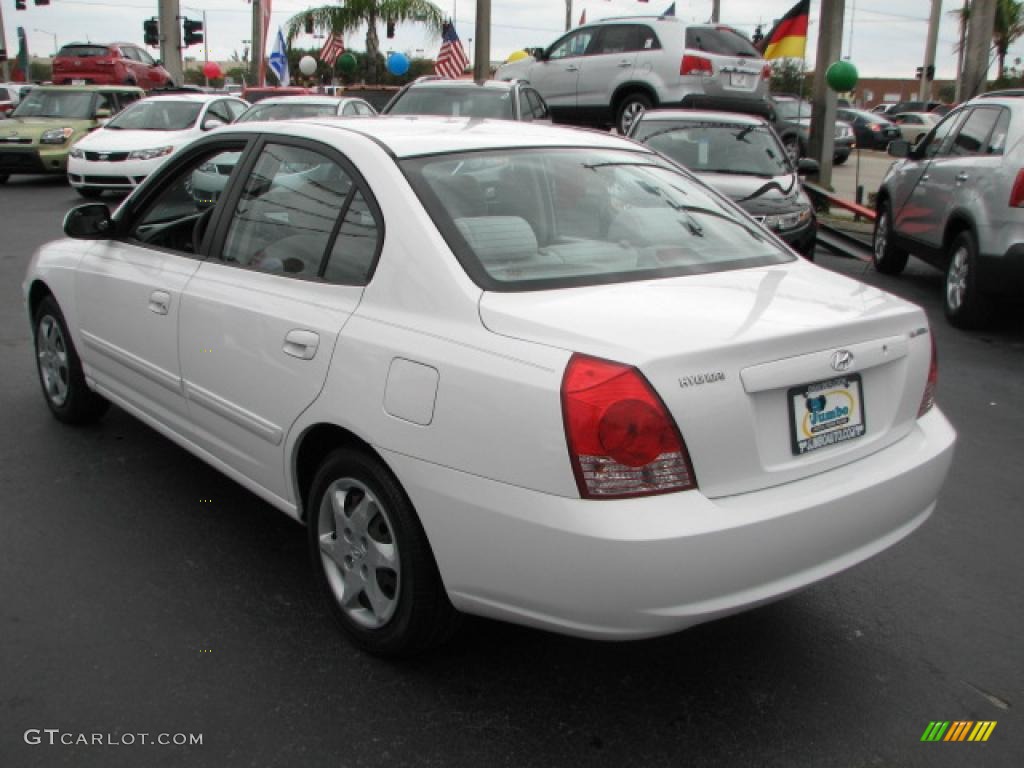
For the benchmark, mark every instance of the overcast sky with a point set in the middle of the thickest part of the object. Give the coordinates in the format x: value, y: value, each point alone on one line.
x: 888, y: 37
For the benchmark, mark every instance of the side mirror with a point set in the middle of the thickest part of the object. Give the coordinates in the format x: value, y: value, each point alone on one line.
x: 212, y: 122
x: 807, y: 166
x: 88, y: 222
x: 538, y: 53
x: 899, y: 148
x: 103, y: 114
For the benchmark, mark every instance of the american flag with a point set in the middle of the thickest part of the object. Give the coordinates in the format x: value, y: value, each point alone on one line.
x: 451, y: 59
x: 333, y: 48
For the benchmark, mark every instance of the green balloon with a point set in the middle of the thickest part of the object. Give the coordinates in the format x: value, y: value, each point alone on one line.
x: 841, y: 76
x: 347, y: 63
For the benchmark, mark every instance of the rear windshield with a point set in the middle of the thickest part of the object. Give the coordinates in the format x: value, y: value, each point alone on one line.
x: 157, y: 116
x: 534, y: 219
x: 287, y: 111
x: 792, y: 109
x: 455, y: 102
x: 76, y: 105
x: 84, y: 51
x: 720, y: 40
x: 710, y: 147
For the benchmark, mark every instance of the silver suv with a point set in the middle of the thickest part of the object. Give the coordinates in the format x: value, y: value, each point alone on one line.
x: 610, y: 71
x: 955, y: 199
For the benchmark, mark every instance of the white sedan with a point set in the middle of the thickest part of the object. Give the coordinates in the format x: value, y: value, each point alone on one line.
x: 120, y: 155
x: 532, y: 373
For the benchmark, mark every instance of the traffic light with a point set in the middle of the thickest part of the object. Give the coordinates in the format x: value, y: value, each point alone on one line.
x: 391, y: 29
x: 193, y: 32
x: 931, y: 71
x: 151, y: 32
x: 309, y: 25
x: 42, y: 2
x: 19, y: 5
x: 917, y: 73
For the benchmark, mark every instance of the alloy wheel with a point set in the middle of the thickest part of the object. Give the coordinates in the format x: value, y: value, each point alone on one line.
x: 956, y: 278
x: 52, y: 351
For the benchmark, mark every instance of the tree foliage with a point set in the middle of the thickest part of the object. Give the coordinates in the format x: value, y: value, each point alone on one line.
x: 790, y: 76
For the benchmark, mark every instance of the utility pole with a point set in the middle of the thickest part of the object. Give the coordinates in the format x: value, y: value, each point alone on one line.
x: 716, y: 11
x: 823, y: 99
x: 258, y: 44
x: 170, y: 39
x: 5, y: 67
x: 979, y: 42
x: 568, y: 15
x: 482, y: 65
x: 929, y: 51
x: 960, y: 53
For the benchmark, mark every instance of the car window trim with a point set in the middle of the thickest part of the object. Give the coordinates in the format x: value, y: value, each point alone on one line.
x: 125, y: 219
x: 217, y: 231
x: 985, y: 140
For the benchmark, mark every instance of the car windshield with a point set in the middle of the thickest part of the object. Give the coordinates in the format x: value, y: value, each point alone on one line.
x: 793, y: 109
x: 533, y: 219
x: 287, y: 111
x: 76, y: 105
x: 455, y: 102
x: 712, y: 147
x: 157, y: 116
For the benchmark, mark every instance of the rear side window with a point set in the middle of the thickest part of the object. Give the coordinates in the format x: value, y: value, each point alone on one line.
x: 616, y: 38
x: 997, y: 141
x: 972, y: 138
x: 84, y: 51
x: 720, y: 40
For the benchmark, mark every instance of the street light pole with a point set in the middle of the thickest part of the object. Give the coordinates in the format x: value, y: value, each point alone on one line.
x: 482, y: 66
x: 51, y: 34
x: 929, y: 50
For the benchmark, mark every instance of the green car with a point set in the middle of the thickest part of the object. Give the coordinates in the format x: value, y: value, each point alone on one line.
x: 40, y: 132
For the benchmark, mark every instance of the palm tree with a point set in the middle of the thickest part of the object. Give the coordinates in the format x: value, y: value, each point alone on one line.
x: 1008, y: 28
x: 344, y: 18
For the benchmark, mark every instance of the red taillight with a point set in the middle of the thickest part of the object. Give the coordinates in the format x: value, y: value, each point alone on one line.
x: 875, y: 127
x: 1017, y: 193
x: 928, y: 398
x: 766, y: 71
x: 695, y: 65
x: 622, y: 441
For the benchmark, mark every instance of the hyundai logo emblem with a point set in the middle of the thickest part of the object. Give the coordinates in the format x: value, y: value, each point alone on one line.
x: 842, y: 360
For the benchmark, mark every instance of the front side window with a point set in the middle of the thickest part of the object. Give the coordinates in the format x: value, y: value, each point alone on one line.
x: 574, y: 44
x: 534, y: 219
x: 712, y: 147
x: 972, y: 138
x: 617, y: 38
x: 157, y: 116
x: 540, y: 109
x: 286, y: 218
x: 937, y: 143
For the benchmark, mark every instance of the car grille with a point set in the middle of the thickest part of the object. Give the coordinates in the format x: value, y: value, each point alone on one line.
x: 108, y: 180
x: 110, y: 157
x: 14, y: 140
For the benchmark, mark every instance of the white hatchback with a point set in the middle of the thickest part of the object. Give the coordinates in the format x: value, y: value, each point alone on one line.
x: 526, y: 372
x: 120, y: 155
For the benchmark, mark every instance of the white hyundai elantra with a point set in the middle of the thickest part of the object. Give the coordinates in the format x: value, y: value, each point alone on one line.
x: 120, y: 155
x: 532, y: 373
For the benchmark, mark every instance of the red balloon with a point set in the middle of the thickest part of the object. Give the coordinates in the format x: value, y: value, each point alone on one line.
x: 212, y: 69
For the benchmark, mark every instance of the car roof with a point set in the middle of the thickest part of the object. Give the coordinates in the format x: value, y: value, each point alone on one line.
x: 696, y: 115
x: 92, y: 88
x: 201, y: 98
x: 417, y: 135
x: 430, y: 81
x: 305, y: 99
x: 918, y: 113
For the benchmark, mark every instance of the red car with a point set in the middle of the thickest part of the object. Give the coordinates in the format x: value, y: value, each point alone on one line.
x: 113, y: 64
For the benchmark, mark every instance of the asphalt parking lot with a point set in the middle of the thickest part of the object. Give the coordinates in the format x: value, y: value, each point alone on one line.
x: 143, y: 592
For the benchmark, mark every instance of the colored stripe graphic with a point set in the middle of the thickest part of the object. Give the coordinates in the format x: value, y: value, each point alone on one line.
x: 958, y: 730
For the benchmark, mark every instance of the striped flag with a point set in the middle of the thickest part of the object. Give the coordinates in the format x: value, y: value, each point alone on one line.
x: 333, y: 48
x: 451, y: 59
x: 788, y: 38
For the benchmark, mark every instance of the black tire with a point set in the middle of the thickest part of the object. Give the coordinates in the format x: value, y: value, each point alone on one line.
x: 630, y: 108
x: 966, y: 306
x: 888, y: 259
x: 840, y: 160
x: 88, y: 192
x: 60, y: 370
x: 794, y: 148
x: 4, y: 177
x: 372, y: 559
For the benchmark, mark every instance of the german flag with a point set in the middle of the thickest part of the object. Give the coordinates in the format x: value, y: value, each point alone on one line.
x: 788, y: 38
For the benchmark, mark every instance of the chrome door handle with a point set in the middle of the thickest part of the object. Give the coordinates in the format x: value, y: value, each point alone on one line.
x: 572, y: 68
x: 301, y: 344
x: 160, y: 302
x: 625, y: 63
x: 962, y: 176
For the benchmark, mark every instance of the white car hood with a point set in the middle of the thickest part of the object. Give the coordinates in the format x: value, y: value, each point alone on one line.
x: 113, y: 140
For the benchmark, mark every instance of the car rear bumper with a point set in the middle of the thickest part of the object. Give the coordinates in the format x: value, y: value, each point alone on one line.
x: 643, y: 567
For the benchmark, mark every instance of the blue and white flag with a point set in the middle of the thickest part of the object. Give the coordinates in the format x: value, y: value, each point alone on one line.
x: 278, y: 60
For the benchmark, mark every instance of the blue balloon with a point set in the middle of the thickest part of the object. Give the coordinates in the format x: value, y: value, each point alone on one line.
x: 398, y: 63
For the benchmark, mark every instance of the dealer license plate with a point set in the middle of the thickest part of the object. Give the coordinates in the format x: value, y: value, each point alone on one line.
x: 826, y: 413
x: 78, y: 81
x: 740, y: 80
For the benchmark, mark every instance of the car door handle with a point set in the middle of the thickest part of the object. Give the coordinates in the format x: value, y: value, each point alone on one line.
x: 301, y: 344
x: 572, y: 68
x: 962, y: 176
x: 925, y: 177
x: 160, y: 302
x: 625, y: 63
